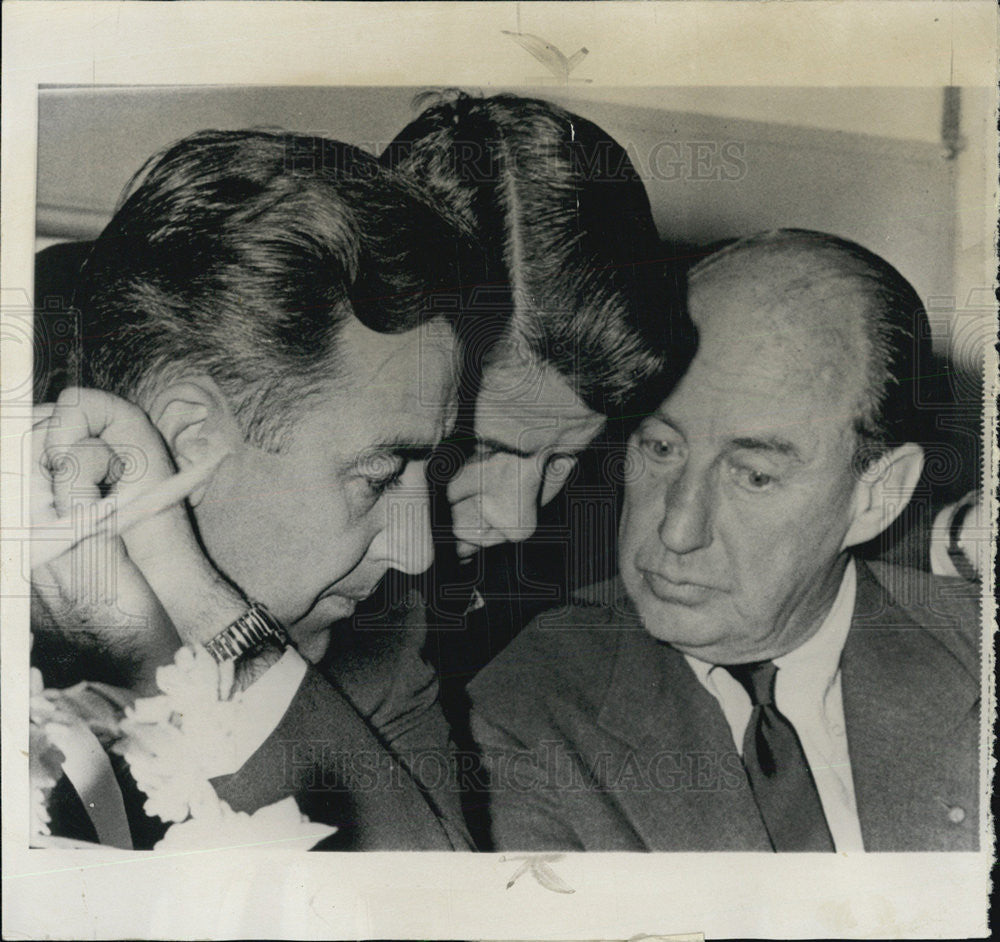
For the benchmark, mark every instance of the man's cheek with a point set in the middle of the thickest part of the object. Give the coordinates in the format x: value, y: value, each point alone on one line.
x: 465, y: 484
x: 467, y: 514
x: 640, y: 520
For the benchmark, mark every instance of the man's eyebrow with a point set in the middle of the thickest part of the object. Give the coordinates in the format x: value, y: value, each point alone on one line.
x: 660, y: 416
x: 400, y: 446
x: 494, y: 444
x: 773, y: 443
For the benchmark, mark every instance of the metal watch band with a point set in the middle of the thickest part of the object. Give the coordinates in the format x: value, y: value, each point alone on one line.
x: 250, y: 631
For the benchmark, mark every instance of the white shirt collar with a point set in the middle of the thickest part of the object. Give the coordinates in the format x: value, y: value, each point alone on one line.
x: 814, y: 663
x: 808, y: 691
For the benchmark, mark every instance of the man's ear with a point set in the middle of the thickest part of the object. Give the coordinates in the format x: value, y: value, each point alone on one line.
x: 197, y: 423
x: 883, y: 491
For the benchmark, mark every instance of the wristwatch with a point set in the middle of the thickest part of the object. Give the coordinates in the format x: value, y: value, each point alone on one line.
x: 254, y: 629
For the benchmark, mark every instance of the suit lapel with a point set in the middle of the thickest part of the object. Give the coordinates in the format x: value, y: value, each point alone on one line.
x: 910, y: 709
x: 673, y: 732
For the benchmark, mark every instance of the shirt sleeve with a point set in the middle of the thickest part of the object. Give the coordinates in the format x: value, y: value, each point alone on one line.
x: 263, y: 705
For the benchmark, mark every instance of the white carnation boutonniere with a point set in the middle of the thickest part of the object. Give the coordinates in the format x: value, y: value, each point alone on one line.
x: 177, y: 741
x: 171, y: 740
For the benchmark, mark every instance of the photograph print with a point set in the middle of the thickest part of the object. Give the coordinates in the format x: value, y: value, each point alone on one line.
x: 541, y: 470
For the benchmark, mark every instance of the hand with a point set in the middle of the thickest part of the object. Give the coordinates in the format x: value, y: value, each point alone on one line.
x: 91, y: 605
x: 142, y: 592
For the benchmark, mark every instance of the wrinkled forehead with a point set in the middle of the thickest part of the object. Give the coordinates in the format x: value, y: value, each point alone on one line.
x: 520, y: 397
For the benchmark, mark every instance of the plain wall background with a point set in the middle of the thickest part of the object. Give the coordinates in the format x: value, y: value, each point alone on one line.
x: 864, y: 163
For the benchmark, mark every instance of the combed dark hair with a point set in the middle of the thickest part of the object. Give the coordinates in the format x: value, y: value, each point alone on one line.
x: 558, y: 202
x: 896, y: 331
x: 241, y: 254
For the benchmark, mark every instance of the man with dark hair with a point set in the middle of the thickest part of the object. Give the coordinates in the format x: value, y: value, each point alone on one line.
x: 749, y: 684
x: 267, y: 303
x: 579, y: 324
x: 562, y: 213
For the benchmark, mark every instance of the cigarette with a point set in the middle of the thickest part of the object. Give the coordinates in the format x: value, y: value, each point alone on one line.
x: 120, y: 514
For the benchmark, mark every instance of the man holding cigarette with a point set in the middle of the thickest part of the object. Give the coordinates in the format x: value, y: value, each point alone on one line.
x: 266, y: 305
x: 571, y: 334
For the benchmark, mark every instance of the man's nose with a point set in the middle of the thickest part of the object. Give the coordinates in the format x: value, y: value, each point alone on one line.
x: 512, y: 514
x: 510, y: 501
x: 687, y: 513
x: 406, y: 538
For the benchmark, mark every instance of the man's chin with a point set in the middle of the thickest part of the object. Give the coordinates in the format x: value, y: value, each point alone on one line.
x: 311, y: 632
x: 676, y: 622
x: 329, y: 609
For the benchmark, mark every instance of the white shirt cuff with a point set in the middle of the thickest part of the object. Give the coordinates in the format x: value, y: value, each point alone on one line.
x: 262, y: 706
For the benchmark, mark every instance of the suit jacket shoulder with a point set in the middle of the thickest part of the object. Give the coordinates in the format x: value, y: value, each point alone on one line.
x: 948, y: 609
x: 563, y: 657
x: 911, y: 688
x: 585, y: 695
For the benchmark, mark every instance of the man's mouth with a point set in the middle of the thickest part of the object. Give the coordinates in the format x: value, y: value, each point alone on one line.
x: 676, y: 590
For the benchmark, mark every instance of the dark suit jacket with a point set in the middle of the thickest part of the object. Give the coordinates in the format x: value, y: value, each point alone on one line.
x: 600, y: 737
x: 364, y: 744
x: 342, y: 773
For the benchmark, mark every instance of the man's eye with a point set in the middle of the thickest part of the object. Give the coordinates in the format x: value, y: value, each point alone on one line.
x: 658, y: 449
x: 381, y: 472
x: 379, y: 486
x: 753, y: 479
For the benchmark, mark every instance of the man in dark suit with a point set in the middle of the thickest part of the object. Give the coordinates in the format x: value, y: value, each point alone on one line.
x: 589, y: 331
x: 266, y: 305
x: 553, y: 344
x: 747, y: 684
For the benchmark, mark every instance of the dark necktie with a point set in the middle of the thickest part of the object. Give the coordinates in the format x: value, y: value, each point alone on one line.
x: 782, y: 784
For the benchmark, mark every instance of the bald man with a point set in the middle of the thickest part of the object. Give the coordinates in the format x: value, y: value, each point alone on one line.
x: 748, y: 684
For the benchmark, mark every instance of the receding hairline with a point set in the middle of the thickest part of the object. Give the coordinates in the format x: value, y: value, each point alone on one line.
x: 816, y: 280
x: 802, y: 282
x: 805, y: 300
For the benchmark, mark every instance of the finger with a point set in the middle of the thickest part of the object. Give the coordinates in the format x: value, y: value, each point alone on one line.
x: 40, y: 421
x: 77, y: 472
x: 78, y: 414
x: 92, y: 413
x: 67, y: 508
x: 41, y: 498
x: 86, y: 413
x: 110, y: 517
